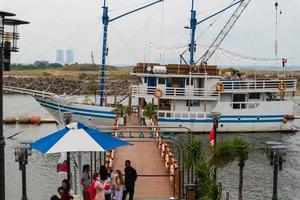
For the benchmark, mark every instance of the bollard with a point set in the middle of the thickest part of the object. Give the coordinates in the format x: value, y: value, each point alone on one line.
x: 190, y: 191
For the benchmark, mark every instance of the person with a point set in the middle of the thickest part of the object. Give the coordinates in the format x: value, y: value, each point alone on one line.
x: 130, y: 178
x: 54, y: 197
x: 66, y: 185
x: 64, y: 195
x: 99, y: 187
x: 85, y: 182
x: 118, y: 185
x: 92, y: 189
x: 104, y: 177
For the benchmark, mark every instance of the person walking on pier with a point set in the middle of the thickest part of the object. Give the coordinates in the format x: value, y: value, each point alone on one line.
x: 130, y: 178
x: 118, y: 185
x: 85, y: 182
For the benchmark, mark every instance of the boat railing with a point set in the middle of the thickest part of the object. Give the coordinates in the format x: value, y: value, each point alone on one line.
x: 175, y: 92
x: 42, y: 94
x: 182, y: 114
x: 269, y: 85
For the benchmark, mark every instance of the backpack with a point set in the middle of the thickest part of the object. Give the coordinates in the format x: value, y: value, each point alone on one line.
x: 92, y: 190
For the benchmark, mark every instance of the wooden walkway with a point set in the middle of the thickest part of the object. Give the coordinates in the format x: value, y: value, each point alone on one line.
x: 145, y: 158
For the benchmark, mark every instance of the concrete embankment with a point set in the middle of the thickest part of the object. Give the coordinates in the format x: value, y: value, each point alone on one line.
x: 66, y: 86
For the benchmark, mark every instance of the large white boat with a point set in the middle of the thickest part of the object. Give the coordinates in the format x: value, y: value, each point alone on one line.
x: 188, y: 97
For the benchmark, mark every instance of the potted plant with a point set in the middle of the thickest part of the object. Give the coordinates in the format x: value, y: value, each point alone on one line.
x: 120, y: 110
x: 150, y: 112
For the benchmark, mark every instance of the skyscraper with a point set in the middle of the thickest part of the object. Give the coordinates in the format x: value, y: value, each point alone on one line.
x: 69, y: 56
x: 59, y: 56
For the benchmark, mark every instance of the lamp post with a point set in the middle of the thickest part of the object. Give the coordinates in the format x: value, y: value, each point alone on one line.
x: 276, y: 152
x: 21, y: 155
x: 5, y: 49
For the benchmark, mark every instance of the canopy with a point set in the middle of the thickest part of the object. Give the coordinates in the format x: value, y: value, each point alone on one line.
x: 77, y: 137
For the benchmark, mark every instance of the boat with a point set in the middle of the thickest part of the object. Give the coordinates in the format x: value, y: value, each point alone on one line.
x: 192, y: 95
x: 244, y: 105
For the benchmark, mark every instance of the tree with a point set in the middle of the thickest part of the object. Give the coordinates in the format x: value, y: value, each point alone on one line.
x: 193, y: 152
x: 150, y: 110
x: 229, y: 151
x: 194, y: 156
x: 92, y: 89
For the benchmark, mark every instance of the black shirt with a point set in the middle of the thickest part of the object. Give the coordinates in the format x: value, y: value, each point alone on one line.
x: 130, y: 177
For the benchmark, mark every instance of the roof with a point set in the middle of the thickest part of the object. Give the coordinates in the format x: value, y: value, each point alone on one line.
x: 3, y: 14
x: 14, y: 22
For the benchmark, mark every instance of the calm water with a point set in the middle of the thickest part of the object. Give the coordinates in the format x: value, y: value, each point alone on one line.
x: 42, y: 179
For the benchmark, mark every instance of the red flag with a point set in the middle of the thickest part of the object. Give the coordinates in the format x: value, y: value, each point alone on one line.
x: 284, y: 62
x: 62, y: 165
x: 212, y: 138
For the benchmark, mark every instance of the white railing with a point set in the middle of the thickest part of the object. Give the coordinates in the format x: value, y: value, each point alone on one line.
x: 182, y: 114
x: 268, y: 85
x: 28, y: 91
x: 169, y: 92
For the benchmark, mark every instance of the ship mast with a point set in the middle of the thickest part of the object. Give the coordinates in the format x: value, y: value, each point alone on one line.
x: 105, y: 22
x: 193, y: 24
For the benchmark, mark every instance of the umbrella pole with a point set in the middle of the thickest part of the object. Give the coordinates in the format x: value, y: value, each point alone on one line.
x: 69, y: 167
x: 95, y: 160
x: 91, y: 163
x: 100, y: 158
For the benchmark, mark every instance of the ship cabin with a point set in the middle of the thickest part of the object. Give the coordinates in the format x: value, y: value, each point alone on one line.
x: 184, y: 92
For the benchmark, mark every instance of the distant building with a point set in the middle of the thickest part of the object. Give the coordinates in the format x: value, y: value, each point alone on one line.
x: 40, y: 63
x: 59, y: 56
x: 69, y: 56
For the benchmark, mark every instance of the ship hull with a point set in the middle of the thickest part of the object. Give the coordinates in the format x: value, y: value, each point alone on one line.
x: 89, y: 114
x: 265, y: 117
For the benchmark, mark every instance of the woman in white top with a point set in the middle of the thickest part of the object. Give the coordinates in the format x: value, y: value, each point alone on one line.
x: 118, y: 185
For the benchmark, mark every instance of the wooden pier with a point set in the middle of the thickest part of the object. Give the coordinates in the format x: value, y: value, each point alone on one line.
x: 153, y: 180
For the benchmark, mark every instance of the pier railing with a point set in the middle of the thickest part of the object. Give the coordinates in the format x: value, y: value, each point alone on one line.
x: 176, y: 93
x: 258, y: 85
x: 37, y: 93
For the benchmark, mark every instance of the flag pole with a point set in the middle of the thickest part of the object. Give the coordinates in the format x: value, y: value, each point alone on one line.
x: 215, y: 119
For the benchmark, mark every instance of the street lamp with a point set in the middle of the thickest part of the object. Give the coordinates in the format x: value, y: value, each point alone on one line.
x: 4, y: 63
x: 276, y: 151
x: 21, y: 155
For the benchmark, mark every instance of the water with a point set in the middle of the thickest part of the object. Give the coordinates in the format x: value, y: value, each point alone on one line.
x: 42, y: 179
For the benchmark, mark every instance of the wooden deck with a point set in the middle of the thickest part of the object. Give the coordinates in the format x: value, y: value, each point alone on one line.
x: 145, y: 158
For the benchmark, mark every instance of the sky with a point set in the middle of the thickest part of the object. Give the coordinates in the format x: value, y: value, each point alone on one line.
x: 154, y: 34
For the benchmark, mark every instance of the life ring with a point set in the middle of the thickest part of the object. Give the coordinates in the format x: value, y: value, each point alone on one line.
x: 158, y: 93
x: 220, y: 87
x: 282, y: 86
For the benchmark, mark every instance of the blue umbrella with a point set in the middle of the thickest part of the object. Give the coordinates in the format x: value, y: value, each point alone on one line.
x: 77, y: 137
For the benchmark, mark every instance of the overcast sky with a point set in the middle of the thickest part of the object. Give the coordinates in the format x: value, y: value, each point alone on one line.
x: 155, y: 34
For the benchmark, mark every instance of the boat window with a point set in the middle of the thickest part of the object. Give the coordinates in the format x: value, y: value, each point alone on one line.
x: 169, y: 82
x: 254, y: 95
x: 145, y: 79
x: 192, y: 103
x: 188, y: 81
x: 161, y: 81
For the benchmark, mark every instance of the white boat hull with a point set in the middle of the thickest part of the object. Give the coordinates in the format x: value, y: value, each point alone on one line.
x: 265, y: 117
x: 89, y: 114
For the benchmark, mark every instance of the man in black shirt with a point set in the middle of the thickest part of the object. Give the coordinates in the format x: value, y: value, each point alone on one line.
x: 130, y: 178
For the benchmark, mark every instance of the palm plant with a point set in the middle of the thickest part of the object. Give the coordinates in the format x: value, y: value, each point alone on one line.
x: 193, y: 152
x: 120, y: 110
x: 229, y: 151
x: 194, y: 157
x: 207, y: 188
x: 150, y: 110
